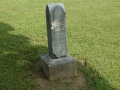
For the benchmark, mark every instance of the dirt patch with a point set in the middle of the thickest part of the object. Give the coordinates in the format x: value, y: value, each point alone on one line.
x: 76, y: 82
x: 40, y: 74
x: 41, y: 80
x: 79, y: 81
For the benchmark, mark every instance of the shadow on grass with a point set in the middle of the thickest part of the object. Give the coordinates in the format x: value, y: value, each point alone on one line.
x: 18, y: 58
x: 93, y: 80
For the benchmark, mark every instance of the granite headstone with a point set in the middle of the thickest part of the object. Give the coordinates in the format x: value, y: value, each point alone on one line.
x: 56, y: 29
x: 58, y: 63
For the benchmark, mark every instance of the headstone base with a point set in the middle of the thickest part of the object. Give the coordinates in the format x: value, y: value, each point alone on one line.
x: 58, y: 68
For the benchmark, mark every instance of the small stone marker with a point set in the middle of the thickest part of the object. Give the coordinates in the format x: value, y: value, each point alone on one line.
x: 57, y: 64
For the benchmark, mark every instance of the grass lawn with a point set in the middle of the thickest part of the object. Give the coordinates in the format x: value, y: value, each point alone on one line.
x: 93, y: 30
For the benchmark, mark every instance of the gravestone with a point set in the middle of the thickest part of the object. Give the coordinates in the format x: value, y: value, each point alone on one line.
x: 58, y: 63
x: 56, y: 29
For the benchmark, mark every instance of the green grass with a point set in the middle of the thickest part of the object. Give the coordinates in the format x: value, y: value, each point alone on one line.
x: 93, y: 30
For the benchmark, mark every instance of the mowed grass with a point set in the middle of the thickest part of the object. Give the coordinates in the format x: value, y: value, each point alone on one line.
x: 93, y: 31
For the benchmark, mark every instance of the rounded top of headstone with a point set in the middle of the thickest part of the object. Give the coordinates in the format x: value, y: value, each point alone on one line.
x: 53, y: 5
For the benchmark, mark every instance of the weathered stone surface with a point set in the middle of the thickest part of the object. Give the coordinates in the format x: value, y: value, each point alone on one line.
x: 58, y: 68
x: 57, y: 64
x: 56, y: 30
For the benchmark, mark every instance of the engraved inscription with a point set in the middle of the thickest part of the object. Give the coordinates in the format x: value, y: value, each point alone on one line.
x: 58, y: 25
x: 59, y: 35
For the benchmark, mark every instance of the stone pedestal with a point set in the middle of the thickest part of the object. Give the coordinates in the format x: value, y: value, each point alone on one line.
x: 58, y: 68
